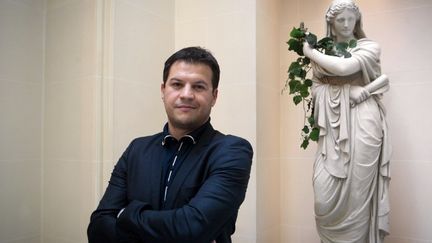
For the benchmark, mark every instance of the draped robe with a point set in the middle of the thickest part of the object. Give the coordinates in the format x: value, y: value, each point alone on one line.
x: 351, y: 170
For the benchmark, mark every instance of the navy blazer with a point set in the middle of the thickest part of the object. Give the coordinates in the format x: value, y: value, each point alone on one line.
x: 203, y: 200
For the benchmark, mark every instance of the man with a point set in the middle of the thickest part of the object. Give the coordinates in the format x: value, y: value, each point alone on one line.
x: 186, y: 183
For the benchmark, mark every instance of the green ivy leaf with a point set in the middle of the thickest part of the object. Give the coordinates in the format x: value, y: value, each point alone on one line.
x: 292, y: 43
x: 311, y: 121
x: 314, y: 135
x: 297, y: 72
x: 326, y: 43
x: 298, y: 84
x: 294, y: 66
x: 352, y: 43
x: 305, y: 143
x: 291, y: 76
x: 302, y: 74
x: 304, y: 91
x: 297, y: 33
x: 297, y: 99
x: 330, y: 52
x: 311, y: 39
x: 294, y: 86
x: 308, y: 82
x: 342, y: 46
x: 296, y: 45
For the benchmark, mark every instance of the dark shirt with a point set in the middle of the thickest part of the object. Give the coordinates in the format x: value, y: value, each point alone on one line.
x: 175, y: 151
x: 207, y: 186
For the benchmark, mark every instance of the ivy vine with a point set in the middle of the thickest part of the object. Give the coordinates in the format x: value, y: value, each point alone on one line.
x: 299, y: 85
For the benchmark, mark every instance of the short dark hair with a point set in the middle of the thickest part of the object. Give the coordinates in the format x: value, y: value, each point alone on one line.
x: 194, y: 55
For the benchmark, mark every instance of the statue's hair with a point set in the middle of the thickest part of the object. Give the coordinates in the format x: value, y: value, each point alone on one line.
x: 337, y: 7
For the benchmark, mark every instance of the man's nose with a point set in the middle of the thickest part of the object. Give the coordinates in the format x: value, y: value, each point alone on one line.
x: 187, y: 92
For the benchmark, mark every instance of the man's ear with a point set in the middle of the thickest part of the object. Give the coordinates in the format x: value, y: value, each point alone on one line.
x: 215, y: 95
x: 162, y: 90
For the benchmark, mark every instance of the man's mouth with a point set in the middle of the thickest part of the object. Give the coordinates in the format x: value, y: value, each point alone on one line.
x: 185, y: 107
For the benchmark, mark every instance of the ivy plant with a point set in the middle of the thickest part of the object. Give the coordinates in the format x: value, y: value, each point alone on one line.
x: 299, y: 85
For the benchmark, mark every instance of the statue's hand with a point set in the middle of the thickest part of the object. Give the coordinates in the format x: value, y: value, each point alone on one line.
x: 307, y: 49
x: 358, y: 94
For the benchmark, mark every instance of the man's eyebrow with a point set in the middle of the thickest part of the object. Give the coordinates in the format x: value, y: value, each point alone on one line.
x: 200, y: 82
x: 197, y: 82
x: 175, y: 79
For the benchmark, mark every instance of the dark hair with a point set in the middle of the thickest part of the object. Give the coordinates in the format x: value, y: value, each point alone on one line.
x: 194, y: 55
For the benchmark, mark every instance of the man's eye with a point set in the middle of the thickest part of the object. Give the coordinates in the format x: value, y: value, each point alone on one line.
x: 176, y: 85
x: 200, y: 87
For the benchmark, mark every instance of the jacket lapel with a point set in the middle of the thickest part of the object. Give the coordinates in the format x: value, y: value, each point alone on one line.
x: 190, y: 163
x: 156, y: 173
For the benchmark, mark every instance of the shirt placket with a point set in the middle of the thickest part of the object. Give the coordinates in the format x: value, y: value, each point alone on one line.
x: 170, y: 173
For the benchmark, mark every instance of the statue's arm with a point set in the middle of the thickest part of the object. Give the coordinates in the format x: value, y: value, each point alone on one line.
x: 336, y: 65
x: 359, y: 94
x: 379, y: 83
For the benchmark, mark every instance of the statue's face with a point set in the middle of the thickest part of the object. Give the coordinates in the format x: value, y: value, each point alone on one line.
x: 343, y: 25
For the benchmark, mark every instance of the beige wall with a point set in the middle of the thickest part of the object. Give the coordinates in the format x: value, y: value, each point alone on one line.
x: 71, y: 119
x: 268, y: 122
x: 406, y: 60
x: 21, y: 84
x: 403, y: 30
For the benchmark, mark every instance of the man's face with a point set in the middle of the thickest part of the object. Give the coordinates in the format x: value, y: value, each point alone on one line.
x: 188, y: 96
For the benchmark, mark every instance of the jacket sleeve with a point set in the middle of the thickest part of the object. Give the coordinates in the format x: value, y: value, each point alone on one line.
x: 102, y: 227
x: 213, y: 207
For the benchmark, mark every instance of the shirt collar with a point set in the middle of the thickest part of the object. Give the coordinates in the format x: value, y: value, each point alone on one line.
x: 192, y: 136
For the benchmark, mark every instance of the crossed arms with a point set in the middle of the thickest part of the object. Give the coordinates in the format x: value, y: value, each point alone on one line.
x: 202, y: 219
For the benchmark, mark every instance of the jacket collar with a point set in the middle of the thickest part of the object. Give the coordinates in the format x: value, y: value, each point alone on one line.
x: 192, y: 137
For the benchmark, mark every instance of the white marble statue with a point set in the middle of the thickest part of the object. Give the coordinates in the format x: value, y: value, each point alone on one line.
x: 351, y: 170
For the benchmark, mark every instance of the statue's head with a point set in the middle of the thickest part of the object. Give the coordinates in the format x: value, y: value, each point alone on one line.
x: 336, y: 8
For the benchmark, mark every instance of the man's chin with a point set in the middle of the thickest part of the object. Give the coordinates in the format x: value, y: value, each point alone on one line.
x: 187, y: 124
